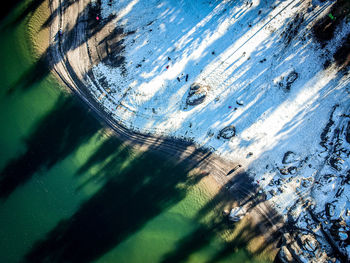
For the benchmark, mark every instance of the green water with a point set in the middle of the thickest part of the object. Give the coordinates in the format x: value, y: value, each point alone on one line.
x: 72, y: 192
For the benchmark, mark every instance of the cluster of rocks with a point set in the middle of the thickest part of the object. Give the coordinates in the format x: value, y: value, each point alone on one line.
x: 320, y: 216
x: 197, y: 95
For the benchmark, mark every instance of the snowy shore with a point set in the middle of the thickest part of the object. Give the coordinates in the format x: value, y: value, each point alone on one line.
x: 262, y: 84
x: 261, y: 71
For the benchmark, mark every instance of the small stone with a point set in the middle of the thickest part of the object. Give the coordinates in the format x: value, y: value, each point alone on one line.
x: 272, y: 192
x: 292, y: 170
x: 343, y: 235
x: 330, y: 209
x: 289, y: 157
x: 284, y: 171
x: 240, y: 102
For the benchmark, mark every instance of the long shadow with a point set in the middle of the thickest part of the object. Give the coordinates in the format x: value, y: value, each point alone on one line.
x: 35, y: 74
x: 8, y: 8
x: 197, y: 240
x: 68, y: 41
x: 26, y: 12
x: 63, y: 7
x: 129, y: 198
x: 56, y: 136
x: 240, y: 189
x: 107, y: 149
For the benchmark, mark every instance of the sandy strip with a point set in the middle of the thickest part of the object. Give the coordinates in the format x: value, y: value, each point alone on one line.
x: 72, y: 60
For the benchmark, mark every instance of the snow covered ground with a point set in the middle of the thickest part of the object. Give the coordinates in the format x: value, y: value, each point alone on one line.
x: 263, y: 74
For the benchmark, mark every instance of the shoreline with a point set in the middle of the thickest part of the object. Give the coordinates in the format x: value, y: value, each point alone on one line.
x: 70, y: 67
x: 39, y: 36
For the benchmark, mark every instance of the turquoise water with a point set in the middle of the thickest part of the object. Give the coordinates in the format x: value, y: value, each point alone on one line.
x: 72, y: 192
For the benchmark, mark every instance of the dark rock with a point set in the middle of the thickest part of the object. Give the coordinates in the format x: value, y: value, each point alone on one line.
x: 227, y: 132
x: 292, y: 170
x: 339, y: 192
x: 290, y: 79
x: 196, y: 94
x: 196, y: 98
x: 195, y: 86
x: 336, y: 163
x: 330, y: 209
x: 249, y: 154
x: 239, y: 102
x: 272, y: 192
x: 284, y: 171
x: 310, y: 243
x: 289, y: 157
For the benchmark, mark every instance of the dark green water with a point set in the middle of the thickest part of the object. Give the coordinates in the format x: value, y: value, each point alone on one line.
x: 72, y: 192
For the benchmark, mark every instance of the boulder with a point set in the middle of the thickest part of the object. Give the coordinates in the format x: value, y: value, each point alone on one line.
x: 290, y: 79
x: 236, y: 214
x: 330, y: 209
x: 196, y: 94
x: 290, y: 157
x: 195, y: 98
x: 310, y: 244
x: 227, y: 132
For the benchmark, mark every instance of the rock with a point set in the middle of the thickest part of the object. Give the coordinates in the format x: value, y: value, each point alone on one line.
x: 196, y: 94
x: 240, y: 102
x: 336, y: 163
x: 312, y: 226
x: 330, y: 209
x: 287, y: 80
x: 342, y: 235
x: 309, y: 243
x: 195, y: 86
x: 290, y: 79
x: 305, y: 183
x: 290, y: 157
x: 196, y: 98
x: 227, y: 132
x: 347, y: 212
x: 284, y: 171
x: 292, y: 170
x: 249, y: 154
x: 272, y: 192
x: 236, y: 214
x: 210, y: 133
x: 339, y: 192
